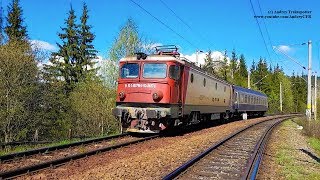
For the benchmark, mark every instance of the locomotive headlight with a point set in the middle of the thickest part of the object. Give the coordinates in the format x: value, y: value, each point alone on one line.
x: 122, y: 95
x: 157, y: 96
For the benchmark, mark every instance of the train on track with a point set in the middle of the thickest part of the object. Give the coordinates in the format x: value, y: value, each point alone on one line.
x: 162, y: 90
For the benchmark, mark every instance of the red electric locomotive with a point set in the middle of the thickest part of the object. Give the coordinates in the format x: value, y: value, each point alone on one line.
x: 162, y: 90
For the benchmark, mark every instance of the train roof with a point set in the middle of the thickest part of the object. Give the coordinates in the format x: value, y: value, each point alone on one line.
x: 238, y: 88
x: 155, y: 58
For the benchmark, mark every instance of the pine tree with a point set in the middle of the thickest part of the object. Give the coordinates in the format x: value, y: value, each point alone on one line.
x: 15, y: 29
x: 86, y: 49
x: 208, y: 64
x: 241, y: 74
x: 243, y: 67
x: 64, y: 62
x: 233, y: 65
x: 1, y: 25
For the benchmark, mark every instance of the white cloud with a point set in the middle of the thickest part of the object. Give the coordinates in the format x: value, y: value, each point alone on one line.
x: 284, y: 48
x: 150, y: 45
x: 215, y: 55
x: 42, y: 45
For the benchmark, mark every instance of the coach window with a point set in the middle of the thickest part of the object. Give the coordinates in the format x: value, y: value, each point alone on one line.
x: 245, y: 99
x: 216, y: 86
x: 204, y: 82
x: 191, y: 78
x: 225, y: 88
x: 174, y: 72
x: 130, y: 70
x: 241, y: 98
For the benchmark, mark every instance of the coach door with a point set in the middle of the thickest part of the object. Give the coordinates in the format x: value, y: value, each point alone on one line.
x: 237, y: 100
x: 175, y: 74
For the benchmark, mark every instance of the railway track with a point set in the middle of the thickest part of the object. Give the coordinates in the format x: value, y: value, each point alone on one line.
x: 236, y: 157
x: 17, y: 164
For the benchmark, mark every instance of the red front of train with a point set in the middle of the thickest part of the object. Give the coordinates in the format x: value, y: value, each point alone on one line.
x: 149, y: 95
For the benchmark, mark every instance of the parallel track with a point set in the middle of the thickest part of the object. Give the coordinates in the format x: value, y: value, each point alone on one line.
x: 12, y: 156
x: 237, y: 156
x: 58, y: 161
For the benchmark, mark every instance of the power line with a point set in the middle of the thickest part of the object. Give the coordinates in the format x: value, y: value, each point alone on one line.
x: 176, y: 14
x: 184, y: 22
x: 265, y: 26
x: 289, y: 57
x: 167, y: 26
x: 265, y: 44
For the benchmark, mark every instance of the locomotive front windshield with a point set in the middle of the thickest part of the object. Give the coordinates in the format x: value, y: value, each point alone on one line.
x: 155, y: 70
x: 130, y: 70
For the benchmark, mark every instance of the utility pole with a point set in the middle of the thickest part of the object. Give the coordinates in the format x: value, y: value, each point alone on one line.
x: 280, y: 97
x: 308, y: 110
x: 315, y: 96
x: 197, y: 54
x: 249, y: 80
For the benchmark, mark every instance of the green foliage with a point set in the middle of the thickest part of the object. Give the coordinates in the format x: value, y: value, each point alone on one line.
x: 315, y: 144
x: 1, y: 25
x: 85, y: 67
x: 18, y: 84
x: 65, y: 60
x: 208, y: 63
x: 91, y: 103
x: 127, y: 43
x: 73, y: 62
x: 15, y: 29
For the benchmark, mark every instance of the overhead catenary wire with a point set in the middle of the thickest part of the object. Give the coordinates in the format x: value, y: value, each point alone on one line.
x: 294, y: 60
x: 264, y: 41
x: 185, y: 23
x: 268, y: 35
x: 164, y: 24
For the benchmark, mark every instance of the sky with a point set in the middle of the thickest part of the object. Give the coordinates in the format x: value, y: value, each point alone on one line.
x: 203, y: 25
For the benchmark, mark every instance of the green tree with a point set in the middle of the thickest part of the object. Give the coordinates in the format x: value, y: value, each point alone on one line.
x: 241, y: 74
x: 224, y: 68
x: 1, y: 25
x: 91, y: 103
x: 127, y: 43
x: 208, y: 63
x: 87, y: 52
x: 64, y: 62
x: 15, y: 29
x: 18, y: 83
x: 233, y: 66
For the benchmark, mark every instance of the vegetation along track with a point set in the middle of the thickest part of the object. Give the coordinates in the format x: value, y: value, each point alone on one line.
x: 38, y: 159
x: 237, y: 156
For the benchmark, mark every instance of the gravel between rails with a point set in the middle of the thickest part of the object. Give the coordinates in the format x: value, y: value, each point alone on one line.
x: 39, y: 158
x: 148, y: 160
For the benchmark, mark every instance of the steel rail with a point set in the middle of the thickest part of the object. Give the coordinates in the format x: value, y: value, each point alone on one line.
x: 253, y: 164
x: 189, y: 163
x: 54, y: 148
x: 37, y: 167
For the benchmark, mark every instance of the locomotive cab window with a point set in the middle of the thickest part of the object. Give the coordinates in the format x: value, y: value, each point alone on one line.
x: 174, y: 72
x: 155, y: 70
x: 130, y: 70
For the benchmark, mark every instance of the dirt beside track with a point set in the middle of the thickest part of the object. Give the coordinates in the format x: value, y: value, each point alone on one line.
x: 148, y: 160
x: 284, y: 158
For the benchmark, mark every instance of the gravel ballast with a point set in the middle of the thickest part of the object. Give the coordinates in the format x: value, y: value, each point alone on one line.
x: 148, y: 160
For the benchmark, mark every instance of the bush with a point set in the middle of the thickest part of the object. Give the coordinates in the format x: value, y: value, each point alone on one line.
x: 91, y: 105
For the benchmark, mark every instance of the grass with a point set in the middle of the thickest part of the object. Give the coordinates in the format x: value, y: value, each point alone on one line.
x: 291, y: 166
x: 15, y: 149
x: 21, y: 148
x: 315, y: 144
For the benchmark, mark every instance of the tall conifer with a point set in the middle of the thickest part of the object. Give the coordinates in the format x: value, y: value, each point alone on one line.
x: 86, y: 50
x: 15, y: 29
